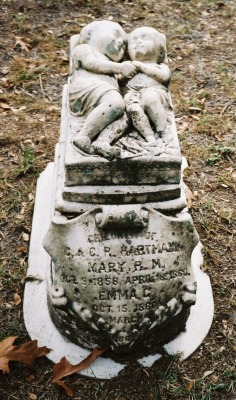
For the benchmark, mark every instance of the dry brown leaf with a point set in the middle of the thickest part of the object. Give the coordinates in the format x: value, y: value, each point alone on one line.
x: 5, y: 70
x: 30, y: 196
x: 25, y: 237
x: 25, y: 353
x: 5, y: 83
x: 190, y: 384
x: 22, y: 44
x: 32, y: 396
x: 195, y: 117
x: 17, y: 299
x: 214, y: 378
x: 64, y: 368
x: 5, y: 106
x: 22, y: 263
x: 8, y: 305
x: 192, y: 70
x: 219, y: 138
x: 189, y: 196
x: 197, y: 109
x: 66, y: 388
x: 224, y: 323
x: 207, y: 373
x: 183, y: 128
x: 30, y: 378
x: 17, y: 110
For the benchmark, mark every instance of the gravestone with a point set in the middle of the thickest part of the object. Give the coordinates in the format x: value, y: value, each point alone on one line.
x: 122, y: 260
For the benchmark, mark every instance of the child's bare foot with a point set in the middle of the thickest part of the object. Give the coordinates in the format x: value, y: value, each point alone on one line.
x: 151, y: 141
x: 105, y: 150
x: 83, y: 143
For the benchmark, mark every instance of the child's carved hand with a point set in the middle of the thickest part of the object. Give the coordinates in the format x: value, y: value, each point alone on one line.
x: 128, y: 69
x: 138, y: 65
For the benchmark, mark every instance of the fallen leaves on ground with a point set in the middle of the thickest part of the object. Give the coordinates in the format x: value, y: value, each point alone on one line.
x: 189, y: 196
x: 67, y: 389
x: 32, y: 396
x: 190, y: 384
x: 30, y: 378
x: 22, y: 44
x: 25, y: 237
x: 17, y: 299
x: 22, y: 250
x: 207, y: 373
x: 4, y: 106
x: 65, y: 368
x: 24, y: 353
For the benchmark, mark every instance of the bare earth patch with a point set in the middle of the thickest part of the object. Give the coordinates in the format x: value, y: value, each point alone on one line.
x: 34, y: 44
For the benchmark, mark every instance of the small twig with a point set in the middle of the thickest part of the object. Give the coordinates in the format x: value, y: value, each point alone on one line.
x: 28, y: 94
x: 225, y: 108
x: 227, y: 231
x: 41, y: 86
x: 2, y: 234
x: 229, y: 159
x: 12, y: 395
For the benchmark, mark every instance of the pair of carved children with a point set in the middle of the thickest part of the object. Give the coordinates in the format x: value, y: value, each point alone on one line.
x: 94, y: 92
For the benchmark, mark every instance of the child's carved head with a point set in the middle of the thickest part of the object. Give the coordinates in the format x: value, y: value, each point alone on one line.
x: 107, y: 37
x: 147, y: 44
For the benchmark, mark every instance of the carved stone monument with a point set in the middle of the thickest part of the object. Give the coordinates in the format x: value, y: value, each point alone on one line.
x: 122, y: 261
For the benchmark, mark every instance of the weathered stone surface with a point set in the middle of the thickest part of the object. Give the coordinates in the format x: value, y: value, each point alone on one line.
x: 137, y: 163
x: 121, y: 194
x: 38, y: 320
x: 133, y: 124
x: 121, y: 271
x: 67, y: 197
x: 105, y: 108
x: 139, y: 170
x: 117, y: 285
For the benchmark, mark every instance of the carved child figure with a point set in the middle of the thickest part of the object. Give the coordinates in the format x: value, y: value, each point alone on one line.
x: 94, y: 92
x: 147, y: 99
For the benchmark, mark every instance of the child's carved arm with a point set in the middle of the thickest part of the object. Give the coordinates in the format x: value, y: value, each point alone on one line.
x: 160, y: 72
x: 85, y: 57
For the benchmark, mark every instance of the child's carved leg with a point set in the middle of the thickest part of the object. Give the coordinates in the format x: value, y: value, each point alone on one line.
x: 155, y: 110
x: 111, y: 107
x: 111, y: 133
x: 140, y: 121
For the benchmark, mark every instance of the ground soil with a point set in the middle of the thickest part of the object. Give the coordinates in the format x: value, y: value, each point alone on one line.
x: 33, y: 69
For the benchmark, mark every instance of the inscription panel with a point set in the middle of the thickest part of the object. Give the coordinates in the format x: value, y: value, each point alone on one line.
x: 123, y: 283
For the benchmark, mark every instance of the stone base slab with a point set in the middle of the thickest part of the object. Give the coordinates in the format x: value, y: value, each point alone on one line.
x: 38, y: 321
x: 76, y: 199
x: 120, y: 194
x: 84, y: 169
x: 143, y: 170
